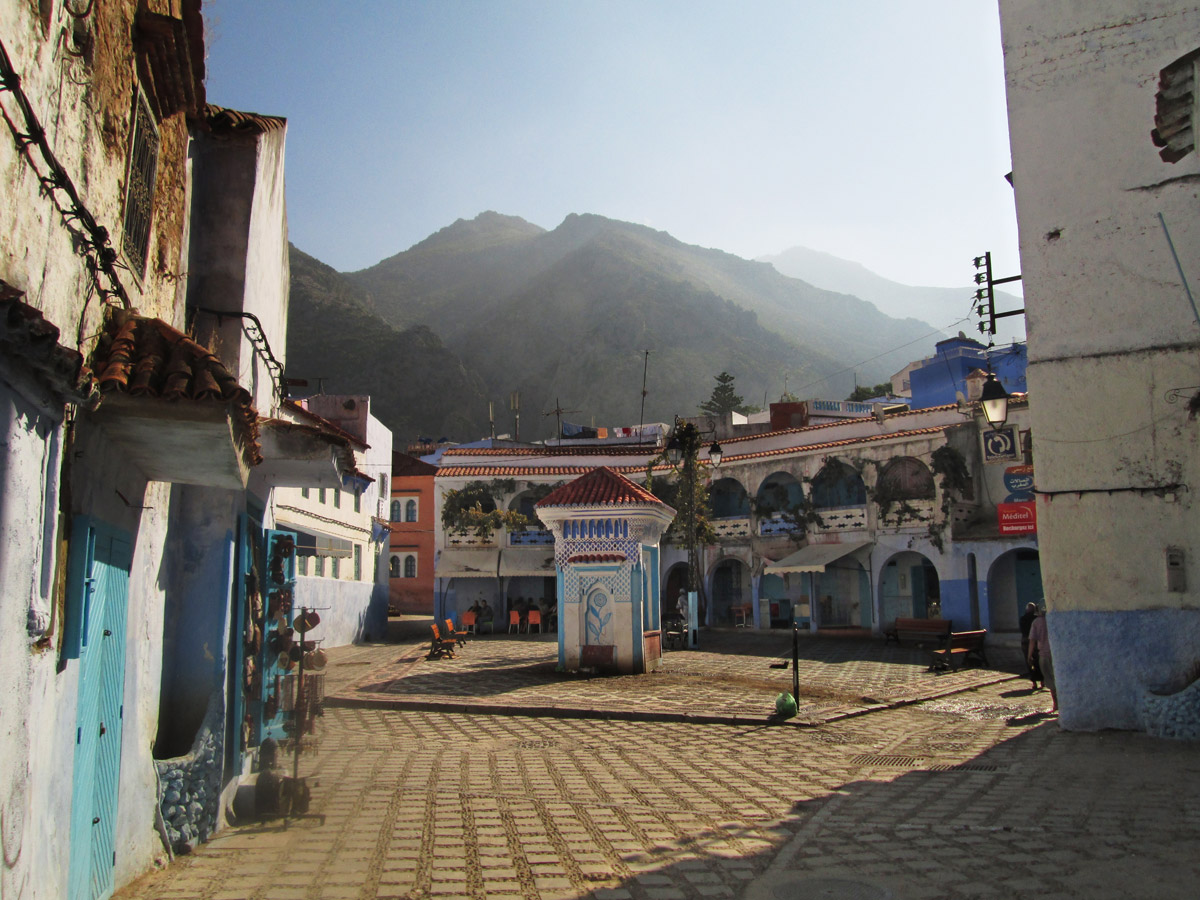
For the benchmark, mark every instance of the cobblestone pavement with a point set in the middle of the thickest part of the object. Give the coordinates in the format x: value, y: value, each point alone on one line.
x: 729, y: 680
x: 971, y: 794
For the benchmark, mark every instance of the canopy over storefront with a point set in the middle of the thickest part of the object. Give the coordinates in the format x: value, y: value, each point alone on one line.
x: 482, y: 563
x: 815, y: 557
x: 531, y: 562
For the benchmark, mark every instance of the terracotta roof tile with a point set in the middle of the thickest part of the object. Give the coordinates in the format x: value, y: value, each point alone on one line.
x: 599, y: 487
x: 526, y: 471
x: 809, y: 448
x: 321, y: 423
x: 807, y: 428
x: 596, y: 558
x: 25, y: 334
x: 589, y: 450
x: 146, y: 357
x: 231, y: 121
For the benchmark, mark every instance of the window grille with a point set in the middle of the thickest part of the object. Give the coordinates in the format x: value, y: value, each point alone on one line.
x: 357, y: 563
x: 139, y: 187
x: 410, y: 511
x: 410, y: 567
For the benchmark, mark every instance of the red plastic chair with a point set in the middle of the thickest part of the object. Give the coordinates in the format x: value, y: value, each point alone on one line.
x: 468, y: 620
x: 514, y: 621
x: 535, y: 618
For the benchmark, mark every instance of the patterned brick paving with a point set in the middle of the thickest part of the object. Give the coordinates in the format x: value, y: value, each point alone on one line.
x: 972, y: 794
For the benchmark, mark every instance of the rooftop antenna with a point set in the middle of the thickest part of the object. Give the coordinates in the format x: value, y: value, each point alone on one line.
x: 492, y: 417
x: 514, y: 403
x: 557, y: 413
x: 642, y: 414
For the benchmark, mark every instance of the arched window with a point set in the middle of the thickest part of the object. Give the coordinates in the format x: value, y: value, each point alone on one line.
x: 410, y: 567
x: 410, y: 511
x: 396, y: 511
x: 394, y: 567
x: 906, y: 478
x: 836, y: 485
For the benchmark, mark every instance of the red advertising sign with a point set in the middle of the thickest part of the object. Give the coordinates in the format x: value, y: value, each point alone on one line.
x: 1017, y: 518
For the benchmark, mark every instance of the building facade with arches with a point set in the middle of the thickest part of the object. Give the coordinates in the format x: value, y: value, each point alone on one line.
x: 840, y: 526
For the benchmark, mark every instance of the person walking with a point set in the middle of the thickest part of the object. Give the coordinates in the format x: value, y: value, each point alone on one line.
x: 1035, y: 672
x: 1039, y: 648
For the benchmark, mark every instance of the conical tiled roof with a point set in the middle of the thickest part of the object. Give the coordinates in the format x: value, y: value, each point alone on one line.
x: 599, y: 487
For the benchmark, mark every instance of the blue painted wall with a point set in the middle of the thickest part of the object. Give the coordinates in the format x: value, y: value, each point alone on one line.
x: 936, y: 382
x: 1106, y: 663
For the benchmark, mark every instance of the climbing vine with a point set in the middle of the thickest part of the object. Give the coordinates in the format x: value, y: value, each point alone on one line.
x: 472, y: 508
x: 955, y: 482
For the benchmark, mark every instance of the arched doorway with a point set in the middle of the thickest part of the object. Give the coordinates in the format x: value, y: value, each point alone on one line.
x: 674, y: 594
x: 1014, y: 579
x: 843, y: 594
x: 909, y: 587
x: 730, y: 588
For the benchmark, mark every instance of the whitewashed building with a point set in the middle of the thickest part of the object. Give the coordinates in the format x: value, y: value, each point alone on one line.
x: 1103, y: 118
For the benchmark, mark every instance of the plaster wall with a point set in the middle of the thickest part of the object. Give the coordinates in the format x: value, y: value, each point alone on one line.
x: 86, y: 111
x: 1111, y: 334
x: 238, y: 258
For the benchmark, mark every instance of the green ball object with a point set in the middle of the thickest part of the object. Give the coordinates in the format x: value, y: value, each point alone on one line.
x: 785, y: 706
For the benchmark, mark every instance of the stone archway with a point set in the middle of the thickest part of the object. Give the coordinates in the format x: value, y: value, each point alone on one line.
x: 730, y: 587
x: 1014, y: 579
x: 909, y: 587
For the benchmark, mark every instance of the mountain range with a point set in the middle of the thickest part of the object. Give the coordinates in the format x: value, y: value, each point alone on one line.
x: 496, y: 305
x: 943, y: 306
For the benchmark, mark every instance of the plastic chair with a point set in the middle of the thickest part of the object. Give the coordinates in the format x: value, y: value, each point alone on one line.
x: 468, y: 620
x: 514, y: 621
x: 535, y: 618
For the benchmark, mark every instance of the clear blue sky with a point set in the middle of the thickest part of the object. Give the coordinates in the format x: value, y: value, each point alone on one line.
x: 871, y: 130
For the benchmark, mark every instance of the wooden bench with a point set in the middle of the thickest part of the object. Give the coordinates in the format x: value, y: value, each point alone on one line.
x: 440, y: 647
x: 959, y: 646
x: 918, y: 630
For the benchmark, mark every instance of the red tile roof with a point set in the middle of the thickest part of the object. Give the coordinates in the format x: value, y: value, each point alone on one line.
x: 321, y: 423
x: 589, y: 450
x: 146, y: 357
x: 596, y: 558
x: 25, y: 334
x: 846, y: 442
x: 230, y: 121
x: 599, y: 487
x: 526, y: 471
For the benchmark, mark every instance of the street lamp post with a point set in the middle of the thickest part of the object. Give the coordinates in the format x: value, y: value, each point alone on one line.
x: 683, y: 450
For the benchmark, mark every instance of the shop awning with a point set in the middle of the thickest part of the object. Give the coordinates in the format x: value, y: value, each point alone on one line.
x: 315, y: 543
x: 482, y: 563
x: 815, y: 557
x: 532, y: 562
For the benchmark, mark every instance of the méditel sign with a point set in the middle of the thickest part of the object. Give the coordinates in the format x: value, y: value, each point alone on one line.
x: 1017, y: 518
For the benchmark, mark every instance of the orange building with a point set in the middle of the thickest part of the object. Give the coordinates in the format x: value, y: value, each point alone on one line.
x: 410, y: 559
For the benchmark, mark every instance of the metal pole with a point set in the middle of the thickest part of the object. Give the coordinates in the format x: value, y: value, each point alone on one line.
x: 795, y: 661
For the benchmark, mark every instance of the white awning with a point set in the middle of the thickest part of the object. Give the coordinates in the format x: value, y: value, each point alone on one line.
x: 532, y: 562
x: 815, y: 557
x: 315, y: 543
x: 481, y: 563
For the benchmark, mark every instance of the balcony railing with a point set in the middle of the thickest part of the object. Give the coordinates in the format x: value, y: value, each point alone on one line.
x: 469, y: 539
x: 530, y: 537
x: 842, y: 518
x: 732, y: 527
x: 777, y: 524
x: 915, y: 514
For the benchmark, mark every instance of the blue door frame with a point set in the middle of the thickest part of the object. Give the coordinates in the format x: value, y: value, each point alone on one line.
x: 94, y: 632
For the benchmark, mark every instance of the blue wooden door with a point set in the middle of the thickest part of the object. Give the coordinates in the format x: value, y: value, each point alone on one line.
x: 99, y: 585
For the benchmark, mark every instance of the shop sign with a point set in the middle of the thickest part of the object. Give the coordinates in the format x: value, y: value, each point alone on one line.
x: 1001, y: 446
x: 1017, y: 518
x: 1018, y: 481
